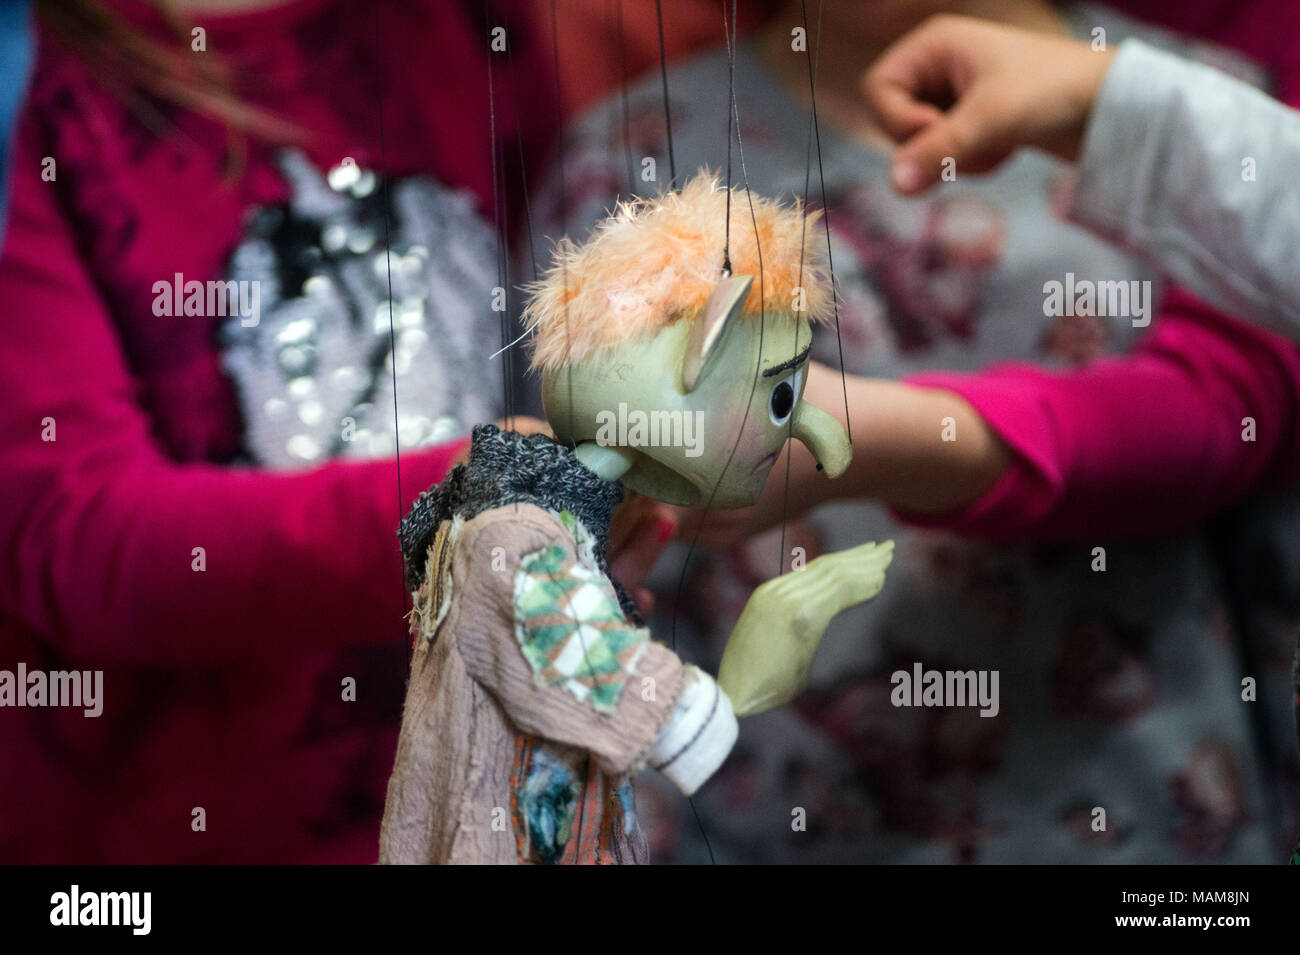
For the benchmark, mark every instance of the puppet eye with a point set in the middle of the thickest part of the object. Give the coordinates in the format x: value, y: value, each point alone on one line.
x: 784, y: 395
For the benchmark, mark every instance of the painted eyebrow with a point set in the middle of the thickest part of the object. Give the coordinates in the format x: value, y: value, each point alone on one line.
x: 794, y: 362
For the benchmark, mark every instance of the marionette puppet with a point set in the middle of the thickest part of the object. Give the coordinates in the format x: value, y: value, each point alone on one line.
x: 535, y: 693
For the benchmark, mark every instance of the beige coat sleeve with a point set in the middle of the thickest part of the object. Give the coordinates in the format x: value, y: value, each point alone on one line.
x: 482, y: 621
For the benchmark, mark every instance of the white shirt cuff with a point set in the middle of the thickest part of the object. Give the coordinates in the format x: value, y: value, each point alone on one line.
x: 698, y: 735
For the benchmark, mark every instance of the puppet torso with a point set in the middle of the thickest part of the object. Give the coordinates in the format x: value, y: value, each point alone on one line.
x: 533, y: 698
x: 469, y: 786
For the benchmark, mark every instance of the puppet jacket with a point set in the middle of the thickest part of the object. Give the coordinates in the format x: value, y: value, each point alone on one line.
x: 534, y: 694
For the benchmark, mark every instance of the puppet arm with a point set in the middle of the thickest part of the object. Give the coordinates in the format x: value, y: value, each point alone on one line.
x: 544, y: 634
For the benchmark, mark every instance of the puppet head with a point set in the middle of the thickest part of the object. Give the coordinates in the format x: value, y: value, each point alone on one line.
x: 667, y: 373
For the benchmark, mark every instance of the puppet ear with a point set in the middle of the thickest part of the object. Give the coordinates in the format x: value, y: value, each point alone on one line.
x: 723, y: 305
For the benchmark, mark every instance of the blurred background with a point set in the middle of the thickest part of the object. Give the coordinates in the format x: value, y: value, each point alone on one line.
x: 201, y: 501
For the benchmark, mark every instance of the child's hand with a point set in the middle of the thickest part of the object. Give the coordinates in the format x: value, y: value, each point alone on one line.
x: 975, y: 91
x: 638, y: 534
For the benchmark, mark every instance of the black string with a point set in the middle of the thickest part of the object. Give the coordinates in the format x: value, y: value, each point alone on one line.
x: 564, y: 212
x: 627, y: 121
x: 498, y: 218
x: 388, y: 260
x: 826, y: 212
x: 762, y: 322
x: 668, y: 115
x: 733, y: 112
x: 564, y: 230
x: 519, y: 140
x: 803, y: 239
x: 731, y: 98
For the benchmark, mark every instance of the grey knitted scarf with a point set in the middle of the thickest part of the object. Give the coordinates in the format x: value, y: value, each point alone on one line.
x: 506, y: 467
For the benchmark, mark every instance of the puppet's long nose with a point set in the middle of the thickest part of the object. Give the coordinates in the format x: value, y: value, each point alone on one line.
x: 824, y: 437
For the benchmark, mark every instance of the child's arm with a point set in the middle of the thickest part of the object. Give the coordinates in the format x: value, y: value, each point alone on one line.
x: 899, y: 457
x: 1144, y: 444
x: 545, y: 636
x: 1138, y: 445
x: 1177, y: 161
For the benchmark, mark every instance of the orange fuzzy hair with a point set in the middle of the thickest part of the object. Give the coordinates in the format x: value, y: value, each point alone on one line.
x: 655, y: 261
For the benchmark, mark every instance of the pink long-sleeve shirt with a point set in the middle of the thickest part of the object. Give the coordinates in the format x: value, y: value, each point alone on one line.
x: 1204, y: 409
x: 223, y: 687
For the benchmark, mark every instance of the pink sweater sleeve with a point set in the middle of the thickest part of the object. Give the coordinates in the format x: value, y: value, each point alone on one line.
x: 1141, y: 445
x: 98, y: 528
x: 1153, y: 442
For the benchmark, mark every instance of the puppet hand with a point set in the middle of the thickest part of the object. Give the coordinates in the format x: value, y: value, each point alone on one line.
x: 769, y: 655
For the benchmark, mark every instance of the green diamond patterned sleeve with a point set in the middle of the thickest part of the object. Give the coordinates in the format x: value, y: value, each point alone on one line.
x: 571, y: 629
x: 542, y: 631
